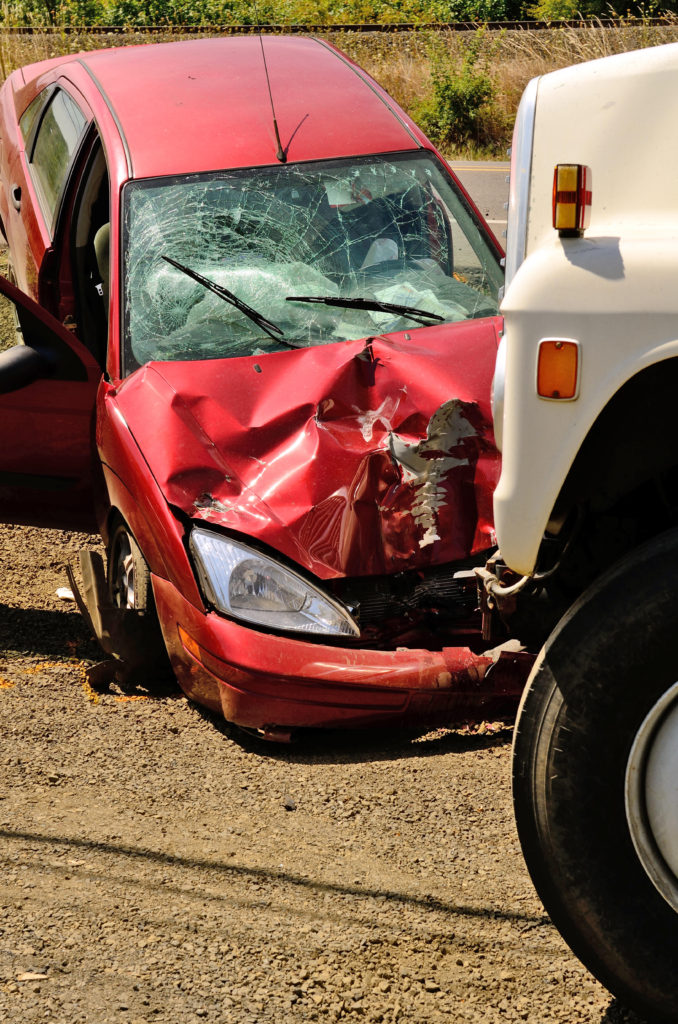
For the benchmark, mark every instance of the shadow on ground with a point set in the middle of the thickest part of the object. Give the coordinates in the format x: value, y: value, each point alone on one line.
x: 29, y: 632
x: 350, y: 746
x: 230, y: 870
x: 616, y: 1013
x: 39, y: 631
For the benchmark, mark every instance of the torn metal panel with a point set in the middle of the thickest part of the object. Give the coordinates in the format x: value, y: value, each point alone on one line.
x: 344, y: 478
x: 425, y: 464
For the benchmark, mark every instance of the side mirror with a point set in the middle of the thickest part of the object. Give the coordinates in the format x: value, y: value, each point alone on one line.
x: 21, y: 365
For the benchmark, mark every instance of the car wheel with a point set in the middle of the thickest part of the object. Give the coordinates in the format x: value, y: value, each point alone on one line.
x: 129, y: 578
x: 129, y: 587
x: 595, y: 779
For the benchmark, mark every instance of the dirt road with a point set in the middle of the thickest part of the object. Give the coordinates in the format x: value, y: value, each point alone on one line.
x: 157, y: 867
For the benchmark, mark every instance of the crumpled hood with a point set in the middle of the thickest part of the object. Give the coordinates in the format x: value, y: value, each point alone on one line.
x: 353, y: 458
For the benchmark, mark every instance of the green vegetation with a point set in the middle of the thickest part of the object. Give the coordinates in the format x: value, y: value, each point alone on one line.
x: 462, y: 87
x: 137, y: 14
x: 462, y: 102
x: 133, y: 14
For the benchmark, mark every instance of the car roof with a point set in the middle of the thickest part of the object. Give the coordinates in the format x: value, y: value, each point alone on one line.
x: 204, y: 104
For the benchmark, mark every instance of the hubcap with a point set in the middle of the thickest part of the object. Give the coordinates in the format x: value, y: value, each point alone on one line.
x: 652, y: 795
x: 123, y: 580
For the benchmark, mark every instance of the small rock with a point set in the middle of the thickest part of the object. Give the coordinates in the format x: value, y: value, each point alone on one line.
x: 289, y: 803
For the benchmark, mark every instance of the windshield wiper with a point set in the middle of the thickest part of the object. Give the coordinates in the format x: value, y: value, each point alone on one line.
x: 257, y: 318
x: 421, y: 316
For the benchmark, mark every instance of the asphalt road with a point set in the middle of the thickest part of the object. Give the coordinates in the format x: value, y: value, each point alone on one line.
x: 487, y: 184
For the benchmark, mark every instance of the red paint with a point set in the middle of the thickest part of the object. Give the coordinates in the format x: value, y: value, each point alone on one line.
x: 348, y: 461
x: 297, y: 455
x: 260, y: 681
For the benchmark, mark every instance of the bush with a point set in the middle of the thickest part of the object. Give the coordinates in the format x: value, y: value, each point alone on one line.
x: 555, y: 10
x: 53, y: 13
x: 473, y: 10
x: 463, y: 95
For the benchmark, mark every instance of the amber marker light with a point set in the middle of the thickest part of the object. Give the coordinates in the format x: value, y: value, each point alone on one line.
x: 189, y: 643
x: 558, y: 369
x: 571, y: 199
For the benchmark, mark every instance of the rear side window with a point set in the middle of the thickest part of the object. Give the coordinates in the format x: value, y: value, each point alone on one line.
x: 32, y: 113
x: 57, y: 139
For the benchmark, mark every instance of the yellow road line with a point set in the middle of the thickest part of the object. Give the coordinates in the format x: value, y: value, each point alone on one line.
x: 479, y: 170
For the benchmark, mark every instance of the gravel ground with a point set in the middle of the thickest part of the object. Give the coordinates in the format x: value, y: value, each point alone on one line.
x: 157, y: 866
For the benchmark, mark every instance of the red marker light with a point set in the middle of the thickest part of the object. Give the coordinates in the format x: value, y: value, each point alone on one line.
x: 571, y: 199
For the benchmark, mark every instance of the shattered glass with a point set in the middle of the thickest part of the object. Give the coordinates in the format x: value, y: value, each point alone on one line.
x: 386, y: 228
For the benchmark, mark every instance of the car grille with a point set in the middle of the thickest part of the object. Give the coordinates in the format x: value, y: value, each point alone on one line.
x: 434, y: 607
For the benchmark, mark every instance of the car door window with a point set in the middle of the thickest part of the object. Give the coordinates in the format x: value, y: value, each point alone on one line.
x: 31, y: 114
x: 58, y: 135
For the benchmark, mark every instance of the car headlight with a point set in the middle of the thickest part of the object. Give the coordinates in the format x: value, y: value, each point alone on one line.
x: 250, y: 586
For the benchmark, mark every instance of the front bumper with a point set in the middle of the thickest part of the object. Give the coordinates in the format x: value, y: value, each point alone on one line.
x: 272, y: 683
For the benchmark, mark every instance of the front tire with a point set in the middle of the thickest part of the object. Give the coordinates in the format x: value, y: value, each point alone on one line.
x: 129, y: 578
x: 595, y: 793
x: 130, y: 589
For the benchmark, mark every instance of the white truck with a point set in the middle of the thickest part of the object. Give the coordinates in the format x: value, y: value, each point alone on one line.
x: 585, y: 405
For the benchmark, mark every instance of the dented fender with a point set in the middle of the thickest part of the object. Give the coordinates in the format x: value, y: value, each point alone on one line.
x: 349, y: 464
x: 134, y: 494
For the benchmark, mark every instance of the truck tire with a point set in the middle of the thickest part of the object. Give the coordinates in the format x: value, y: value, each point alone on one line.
x: 595, y: 778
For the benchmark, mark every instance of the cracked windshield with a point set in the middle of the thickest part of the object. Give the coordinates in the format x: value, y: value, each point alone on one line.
x: 249, y: 262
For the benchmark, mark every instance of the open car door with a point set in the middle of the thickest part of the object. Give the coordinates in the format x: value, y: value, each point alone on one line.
x: 48, y: 385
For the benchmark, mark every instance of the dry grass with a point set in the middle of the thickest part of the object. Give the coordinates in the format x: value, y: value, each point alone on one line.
x: 400, y: 61
x: 523, y: 55
x: 512, y: 58
x: 18, y: 49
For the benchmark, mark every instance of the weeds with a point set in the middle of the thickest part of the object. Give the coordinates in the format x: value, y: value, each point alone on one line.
x: 463, y: 88
x: 462, y: 96
x: 133, y: 14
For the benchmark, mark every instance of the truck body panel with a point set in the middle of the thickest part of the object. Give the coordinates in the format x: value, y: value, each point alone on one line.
x: 612, y: 290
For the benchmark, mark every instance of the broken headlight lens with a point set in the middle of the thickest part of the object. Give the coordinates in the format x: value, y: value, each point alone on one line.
x: 254, y: 588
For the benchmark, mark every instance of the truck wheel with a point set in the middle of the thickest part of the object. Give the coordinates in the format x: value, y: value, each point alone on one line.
x: 595, y: 780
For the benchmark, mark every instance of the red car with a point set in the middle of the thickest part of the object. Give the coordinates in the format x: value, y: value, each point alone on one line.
x: 255, y: 329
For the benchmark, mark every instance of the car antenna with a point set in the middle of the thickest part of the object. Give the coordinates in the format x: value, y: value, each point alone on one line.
x: 280, y: 154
